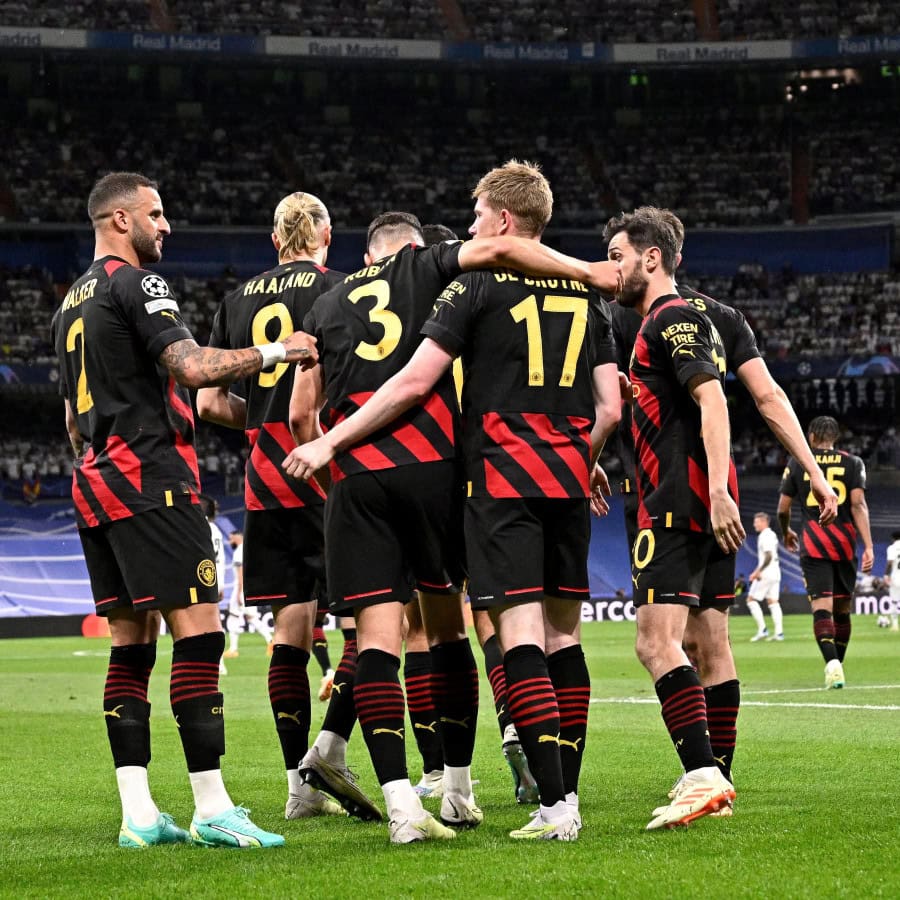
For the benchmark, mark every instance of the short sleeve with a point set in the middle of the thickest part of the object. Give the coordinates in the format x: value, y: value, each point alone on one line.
x: 446, y: 257
x: 788, y: 482
x: 453, y: 313
x: 603, y: 344
x: 148, y: 303
x: 691, y: 342
x: 745, y: 347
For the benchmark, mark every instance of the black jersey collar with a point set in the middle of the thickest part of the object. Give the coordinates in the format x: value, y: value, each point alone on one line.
x: 665, y: 298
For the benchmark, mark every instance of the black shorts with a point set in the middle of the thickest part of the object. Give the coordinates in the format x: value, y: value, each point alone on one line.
x: 523, y: 549
x: 380, y: 526
x: 284, y: 555
x: 684, y: 567
x: 159, y: 559
x: 828, y: 577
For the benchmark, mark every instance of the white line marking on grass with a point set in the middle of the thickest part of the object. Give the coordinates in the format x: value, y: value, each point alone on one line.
x: 856, y: 687
x: 651, y: 700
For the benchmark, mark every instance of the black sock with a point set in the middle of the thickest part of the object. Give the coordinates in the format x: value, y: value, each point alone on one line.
x: 340, y: 717
x: 823, y: 629
x: 684, y: 712
x: 841, y: 634
x: 125, y: 706
x: 572, y: 684
x: 196, y: 701
x: 532, y: 703
x: 493, y: 666
x: 380, y: 708
x: 320, y: 649
x: 289, y: 697
x: 723, y: 702
x: 455, y: 692
x: 422, y: 714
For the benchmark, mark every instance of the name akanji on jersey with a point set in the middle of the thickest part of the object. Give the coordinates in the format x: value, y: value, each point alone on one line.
x: 528, y: 347
x: 676, y: 342
x: 845, y: 472
x: 136, y: 421
x: 268, y: 308
x: 367, y: 329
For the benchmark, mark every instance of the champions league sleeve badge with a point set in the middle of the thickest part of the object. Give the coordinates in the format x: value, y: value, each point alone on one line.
x: 154, y: 286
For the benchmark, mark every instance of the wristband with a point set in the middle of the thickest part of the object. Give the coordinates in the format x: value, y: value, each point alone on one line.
x: 271, y: 353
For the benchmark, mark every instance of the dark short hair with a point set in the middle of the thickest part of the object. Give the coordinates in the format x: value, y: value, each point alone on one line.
x: 895, y: 535
x: 647, y: 227
x: 434, y: 234
x: 395, y: 224
x: 825, y: 428
x: 114, y: 188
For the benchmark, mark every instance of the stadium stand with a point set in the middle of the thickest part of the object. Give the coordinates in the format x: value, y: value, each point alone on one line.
x: 484, y: 20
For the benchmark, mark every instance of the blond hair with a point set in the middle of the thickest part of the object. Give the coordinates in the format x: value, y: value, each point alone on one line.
x: 299, y: 219
x: 520, y: 188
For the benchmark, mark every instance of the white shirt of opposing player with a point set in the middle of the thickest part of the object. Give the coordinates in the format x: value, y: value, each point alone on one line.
x: 218, y: 540
x: 236, y: 603
x: 893, y: 556
x: 767, y: 542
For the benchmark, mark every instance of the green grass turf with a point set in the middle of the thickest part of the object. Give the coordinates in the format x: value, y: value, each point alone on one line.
x: 816, y: 814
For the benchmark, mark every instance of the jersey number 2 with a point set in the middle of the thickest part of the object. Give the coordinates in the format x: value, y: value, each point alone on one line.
x: 83, y: 400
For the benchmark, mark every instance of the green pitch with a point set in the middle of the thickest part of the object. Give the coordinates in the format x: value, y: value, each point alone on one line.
x: 816, y: 775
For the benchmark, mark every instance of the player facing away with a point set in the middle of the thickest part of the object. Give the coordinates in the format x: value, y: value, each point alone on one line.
x: 706, y: 638
x: 540, y: 394
x: 828, y: 553
x: 284, y: 534
x: 688, y: 520
x: 892, y: 577
x: 765, y: 581
x: 126, y: 362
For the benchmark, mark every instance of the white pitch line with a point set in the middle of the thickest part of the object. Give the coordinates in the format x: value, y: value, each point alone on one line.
x: 650, y: 700
x: 856, y: 687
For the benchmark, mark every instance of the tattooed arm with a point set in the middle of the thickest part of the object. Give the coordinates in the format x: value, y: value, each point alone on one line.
x: 195, y: 367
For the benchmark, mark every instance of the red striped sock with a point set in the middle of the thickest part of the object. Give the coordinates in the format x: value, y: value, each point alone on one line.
x: 684, y: 712
x: 572, y: 683
x: 289, y: 698
x: 380, y: 708
x: 723, y: 702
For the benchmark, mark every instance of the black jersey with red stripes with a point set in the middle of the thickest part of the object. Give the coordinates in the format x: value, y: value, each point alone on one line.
x: 529, y: 347
x: 367, y: 329
x: 737, y: 338
x: 136, y: 422
x: 845, y: 472
x: 268, y: 308
x: 675, y: 343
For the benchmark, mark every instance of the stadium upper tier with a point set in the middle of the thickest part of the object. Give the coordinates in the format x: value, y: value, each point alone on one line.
x: 227, y: 164
x: 643, y: 21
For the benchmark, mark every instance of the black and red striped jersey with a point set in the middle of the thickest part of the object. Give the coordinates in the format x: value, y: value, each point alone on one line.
x: 675, y: 343
x: 737, y: 338
x: 844, y: 472
x: 528, y: 347
x: 268, y: 308
x: 136, y: 421
x: 367, y: 328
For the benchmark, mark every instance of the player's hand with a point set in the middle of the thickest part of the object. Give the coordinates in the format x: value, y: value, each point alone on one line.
x: 599, y: 488
x: 825, y: 497
x: 606, y: 276
x: 790, y: 540
x: 726, y: 523
x: 626, y: 389
x: 303, y: 462
x: 868, y: 559
x: 754, y: 576
x: 301, y: 349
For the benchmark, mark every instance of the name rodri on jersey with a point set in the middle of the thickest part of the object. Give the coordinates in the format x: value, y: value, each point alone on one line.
x: 367, y: 329
x: 135, y: 419
x: 267, y: 308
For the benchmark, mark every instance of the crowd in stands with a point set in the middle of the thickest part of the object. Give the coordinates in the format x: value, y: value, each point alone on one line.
x: 717, y: 166
x: 485, y: 20
x: 28, y: 299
